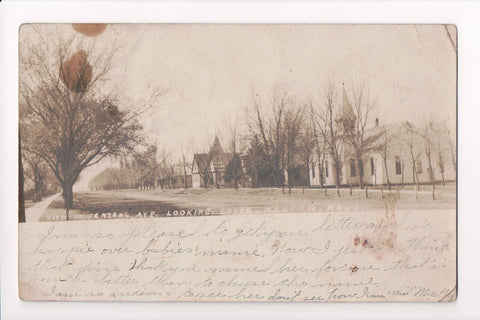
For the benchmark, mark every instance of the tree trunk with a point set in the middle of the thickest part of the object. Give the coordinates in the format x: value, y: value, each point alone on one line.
x: 21, y: 197
x: 68, y: 195
x: 185, y: 174
x: 386, y: 172
x: 320, y: 171
x: 290, y: 182
x: 308, y: 175
x: 337, y: 174
x: 37, y: 190
x: 414, y: 169
x: 403, y: 173
x: 235, y: 175
x: 360, y: 171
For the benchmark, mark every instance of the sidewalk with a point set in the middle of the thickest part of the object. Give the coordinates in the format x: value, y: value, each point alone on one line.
x: 34, y: 213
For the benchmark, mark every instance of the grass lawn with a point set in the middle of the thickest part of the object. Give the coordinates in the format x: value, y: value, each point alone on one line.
x: 231, y: 201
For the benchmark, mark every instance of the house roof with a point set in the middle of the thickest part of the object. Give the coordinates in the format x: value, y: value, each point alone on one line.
x: 215, y: 156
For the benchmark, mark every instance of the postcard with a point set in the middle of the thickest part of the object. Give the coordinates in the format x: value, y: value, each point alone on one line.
x: 237, y: 162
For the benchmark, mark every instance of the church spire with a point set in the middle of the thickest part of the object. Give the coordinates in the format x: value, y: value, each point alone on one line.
x: 347, y: 117
x: 347, y: 111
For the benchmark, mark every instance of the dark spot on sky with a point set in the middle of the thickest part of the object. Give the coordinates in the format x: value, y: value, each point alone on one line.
x: 89, y: 29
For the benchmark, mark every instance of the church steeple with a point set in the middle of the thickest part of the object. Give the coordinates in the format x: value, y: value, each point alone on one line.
x: 347, y: 110
x: 347, y: 117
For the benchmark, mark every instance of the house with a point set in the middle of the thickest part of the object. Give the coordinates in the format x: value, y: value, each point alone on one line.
x: 208, y: 169
x: 181, y: 177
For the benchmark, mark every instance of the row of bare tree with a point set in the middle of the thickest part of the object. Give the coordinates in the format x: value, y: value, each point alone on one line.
x: 284, y: 133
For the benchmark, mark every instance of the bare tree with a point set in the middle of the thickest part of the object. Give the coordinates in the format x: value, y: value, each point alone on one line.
x: 414, y: 150
x: 428, y: 145
x: 440, y: 132
x: 330, y: 132
x: 452, y: 147
x: 164, y: 168
x: 234, y: 165
x: 293, y: 122
x: 257, y: 166
x: 185, y: 165
x: 385, y: 142
x: 307, y: 144
x: 71, y: 124
x: 21, y: 182
x: 319, y: 143
x: 146, y: 165
x: 35, y: 170
x: 355, y: 125
x: 270, y: 133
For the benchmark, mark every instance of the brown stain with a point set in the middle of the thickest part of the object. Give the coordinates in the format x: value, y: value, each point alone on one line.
x: 353, y: 269
x: 276, y: 243
x: 356, y: 241
x: 383, y: 238
x: 365, y: 243
x: 89, y: 29
x: 76, y: 73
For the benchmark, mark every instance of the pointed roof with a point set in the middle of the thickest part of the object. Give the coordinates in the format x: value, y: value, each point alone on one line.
x: 216, y: 148
x: 347, y: 111
x: 346, y: 118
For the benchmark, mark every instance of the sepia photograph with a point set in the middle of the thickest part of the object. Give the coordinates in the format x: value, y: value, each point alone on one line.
x: 237, y: 162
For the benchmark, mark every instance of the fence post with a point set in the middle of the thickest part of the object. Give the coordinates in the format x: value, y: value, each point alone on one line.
x: 350, y: 189
x: 398, y: 191
x: 381, y: 189
x: 366, y: 192
x: 326, y: 188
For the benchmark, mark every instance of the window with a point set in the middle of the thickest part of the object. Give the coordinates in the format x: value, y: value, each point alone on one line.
x: 326, y: 169
x: 353, y: 169
x: 372, y: 166
x: 398, y: 166
x: 419, y: 166
x: 313, y: 170
x: 360, y: 166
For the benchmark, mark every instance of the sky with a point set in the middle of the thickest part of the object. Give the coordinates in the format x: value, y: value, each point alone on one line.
x: 208, y: 73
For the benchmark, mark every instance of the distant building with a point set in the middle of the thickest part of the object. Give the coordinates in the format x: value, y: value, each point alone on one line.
x: 181, y: 177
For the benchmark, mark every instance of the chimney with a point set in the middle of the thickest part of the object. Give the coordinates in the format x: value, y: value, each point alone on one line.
x: 376, y: 122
